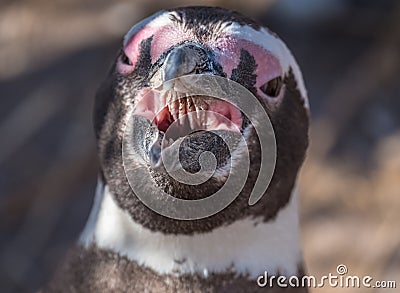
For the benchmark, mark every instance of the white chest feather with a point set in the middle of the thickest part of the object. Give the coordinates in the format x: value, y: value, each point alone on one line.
x: 247, y: 246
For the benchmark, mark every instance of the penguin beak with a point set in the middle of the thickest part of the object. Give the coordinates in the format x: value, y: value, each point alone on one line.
x: 188, y: 58
x: 170, y: 103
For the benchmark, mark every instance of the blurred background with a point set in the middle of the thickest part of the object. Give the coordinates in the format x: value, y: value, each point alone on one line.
x: 54, y: 54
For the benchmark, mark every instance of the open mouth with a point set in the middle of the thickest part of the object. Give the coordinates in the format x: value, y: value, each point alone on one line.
x: 196, y: 112
x: 191, y: 120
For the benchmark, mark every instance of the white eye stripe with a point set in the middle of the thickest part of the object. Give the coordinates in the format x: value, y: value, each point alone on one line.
x: 158, y: 19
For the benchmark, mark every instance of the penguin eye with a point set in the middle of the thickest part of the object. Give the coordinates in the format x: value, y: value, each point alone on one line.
x: 273, y: 87
x: 125, y: 59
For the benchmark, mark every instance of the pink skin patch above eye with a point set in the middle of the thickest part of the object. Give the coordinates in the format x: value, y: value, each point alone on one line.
x: 228, y: 50
x: 164, y: 37
x: 132, y: 49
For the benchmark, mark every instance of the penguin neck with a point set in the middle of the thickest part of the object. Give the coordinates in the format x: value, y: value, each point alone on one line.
x: 248, y: 246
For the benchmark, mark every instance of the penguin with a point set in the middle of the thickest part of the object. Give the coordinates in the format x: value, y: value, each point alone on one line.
x: 127, y: 246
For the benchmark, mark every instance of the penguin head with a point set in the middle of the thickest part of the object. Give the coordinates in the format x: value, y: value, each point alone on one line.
x: 199, y: 41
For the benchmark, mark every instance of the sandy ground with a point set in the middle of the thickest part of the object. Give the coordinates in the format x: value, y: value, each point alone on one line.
x: 53, y: 55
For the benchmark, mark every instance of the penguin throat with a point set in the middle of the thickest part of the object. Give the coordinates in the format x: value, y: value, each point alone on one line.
x: 248, y: 246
